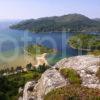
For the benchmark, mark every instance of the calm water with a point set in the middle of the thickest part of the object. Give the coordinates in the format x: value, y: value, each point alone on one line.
x: 13, y: 41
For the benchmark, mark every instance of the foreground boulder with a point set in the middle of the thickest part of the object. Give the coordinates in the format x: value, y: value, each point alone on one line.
x: 85, y: 66
x: 50, y: 80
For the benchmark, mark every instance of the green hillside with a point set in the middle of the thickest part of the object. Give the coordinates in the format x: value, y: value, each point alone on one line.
x: 70, y: 22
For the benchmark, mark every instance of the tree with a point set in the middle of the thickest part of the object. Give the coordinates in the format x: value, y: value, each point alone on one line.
x: 29, y: 66
x: 3, y: 96
x: 12, y: 70
x: 42, y: 68
x: 19, y: 68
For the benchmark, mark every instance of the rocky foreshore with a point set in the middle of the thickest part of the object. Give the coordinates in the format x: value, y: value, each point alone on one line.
x: 86, y: 67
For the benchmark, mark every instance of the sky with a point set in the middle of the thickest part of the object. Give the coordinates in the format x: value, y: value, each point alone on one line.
x: 27, y: 9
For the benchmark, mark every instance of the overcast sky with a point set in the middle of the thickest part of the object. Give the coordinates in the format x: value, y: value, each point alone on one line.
x: 26, y: 9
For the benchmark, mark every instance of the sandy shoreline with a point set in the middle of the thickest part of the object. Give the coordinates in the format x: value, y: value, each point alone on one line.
x: 41, y: 59
x: 23, y: 60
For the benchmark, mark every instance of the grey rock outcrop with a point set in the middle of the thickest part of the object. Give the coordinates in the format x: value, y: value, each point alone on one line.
x: 27, y: 94
x: 86, y: 66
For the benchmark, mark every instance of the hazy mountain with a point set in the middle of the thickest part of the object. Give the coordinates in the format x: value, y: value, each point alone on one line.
x: 97, y: 19
x: 70, y: 22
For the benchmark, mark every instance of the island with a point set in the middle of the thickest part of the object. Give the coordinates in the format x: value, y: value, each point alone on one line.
x: 38, y: 49
x: 70, y: 23
x: 39, y: 53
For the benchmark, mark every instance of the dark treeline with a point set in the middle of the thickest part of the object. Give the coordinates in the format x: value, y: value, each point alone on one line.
x: 10, y: 84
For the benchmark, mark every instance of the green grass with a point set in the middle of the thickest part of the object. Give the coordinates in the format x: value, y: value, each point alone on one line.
x: 71, y: 75
x: 73, y: 92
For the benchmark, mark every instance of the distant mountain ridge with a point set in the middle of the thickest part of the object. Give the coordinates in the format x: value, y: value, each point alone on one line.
x: 97, y: 19
x: 70, y: 22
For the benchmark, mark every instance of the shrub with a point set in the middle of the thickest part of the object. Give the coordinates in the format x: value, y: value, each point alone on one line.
x: 72, y: 75
x: 9, y: 85
x: 73, y: 92
x: 36, y: 76
x: 95, y: 53
x: 3, y: 96
x: 42, y: 68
